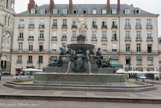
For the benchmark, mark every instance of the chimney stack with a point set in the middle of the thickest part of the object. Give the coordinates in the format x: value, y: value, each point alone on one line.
x: 31, y: 5
x: 118, y: 6
x: 70, y: 6
x: 108, y: 6
x: 51, y: 5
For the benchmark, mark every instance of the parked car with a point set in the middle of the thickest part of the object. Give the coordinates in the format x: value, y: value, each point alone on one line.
x: 6, y: 73
x: 141, y: 76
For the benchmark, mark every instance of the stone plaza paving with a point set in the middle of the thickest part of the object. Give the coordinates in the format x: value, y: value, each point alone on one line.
x: 154, y: 94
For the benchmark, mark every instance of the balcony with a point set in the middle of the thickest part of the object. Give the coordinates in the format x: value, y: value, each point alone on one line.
x: 127, y: 26
x: 29, y: 51
x: 39, y: 62
x: 20, y: 39
x: 149, y: 39
x: 104, y: 27
x: 94, y: 39
x: 127, y: 38
x: 94, y: 26
x: 54, y: 27
x: 31, y: 38
x: 29, y: 62
x: 114, y: 27
x: 138, y: 27
x: 31, y: 26
x: 54, y: 38
x: 114, y: 39
x: 64, y: 27
x: 73, y: 39
x: 19, y: 61
x: 41, y: 26
x: 149, y: 27
x: 138, y: 38
x: 21, y: 26
x: 64, y: 38
x: 140, y: 52
x: 74, y: 26
x: 104, y: 39
x: 41, y: 39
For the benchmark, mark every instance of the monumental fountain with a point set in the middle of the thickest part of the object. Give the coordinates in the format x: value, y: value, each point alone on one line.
x: 79, y: 67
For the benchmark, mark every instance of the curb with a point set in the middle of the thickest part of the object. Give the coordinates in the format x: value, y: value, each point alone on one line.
x: 81, y: 98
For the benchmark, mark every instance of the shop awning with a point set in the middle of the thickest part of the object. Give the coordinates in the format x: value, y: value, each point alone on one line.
x: 128, y: 58
x: 150, y: 58
x: 114, y: 58
x: 139, y: 58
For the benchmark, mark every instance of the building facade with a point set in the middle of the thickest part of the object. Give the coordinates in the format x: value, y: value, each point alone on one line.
x: 6, y: 33
x: 126, y: 34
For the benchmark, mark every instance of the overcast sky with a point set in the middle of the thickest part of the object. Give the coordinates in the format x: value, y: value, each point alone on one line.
x: 153, y: 6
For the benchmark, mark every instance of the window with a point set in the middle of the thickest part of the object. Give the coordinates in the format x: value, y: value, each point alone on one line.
x: 54, y: 35
x: 104, y: 11
x: 41, y: 47
x: 127, y: 47
x: 41, y: 34
x: 104, y: 33
x: 114, y: 47
x: 54, y: 47
x: 114, y: 11
x: 114, y: 61
x: 93, y: 35
x: 149, y: 48
x: 104, y: 48
x: 138, y: 34
x: 137, y: 11
x: 149, y: 23
x: 40, y: 59
x: 30, y: 47
x: 150, y: 60
x: 104, y: 23
x: 114, y: 23
x: 55, y: 11
x: 21, y: 23
x: 138, y: 48
x: 74, y: 22
x: 74, y: 34
x: 29, y: 59
x: 94, y: 23
x: 94, y: 11
x: 54, y: 22
x: 138, y: 23
x: 12, y: 5
x: 42, y: 22
x: 75, y: 11
x: 20, y: 34
x: 20, y: 46
x: 127, y: 23
x: 114, y: 36
x: 128, y: 60
x: 42, y: 11
x: 64, y: 37
x: 149, y: 35
x: 139, y: 61
x: 31, y: 21
x: 33, y: 11
x: 19, y: 60
x: 64, y: 22
x: 64, y: 11
x: 127, y: 37
x: 84, y: 11
x: 127, y: 11
x: 31, y: 33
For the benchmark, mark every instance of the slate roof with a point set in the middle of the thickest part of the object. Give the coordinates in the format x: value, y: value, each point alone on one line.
x: 89, y: 8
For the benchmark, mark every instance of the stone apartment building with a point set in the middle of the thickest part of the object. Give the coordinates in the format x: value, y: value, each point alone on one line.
x: 6, y: 33
x: 126, y: 34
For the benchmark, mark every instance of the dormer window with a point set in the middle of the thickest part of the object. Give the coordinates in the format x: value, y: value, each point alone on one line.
x: 137, y: 11
x: 64, y: 11
x: 55, y: 11
x: 104, y: 11
x: 94, y: 11
x: 114, y: 11
x: 43, y: 11
x: 84, y: 11
x: 127, y: 11
x: 75, y: 11
x: 33, y: 11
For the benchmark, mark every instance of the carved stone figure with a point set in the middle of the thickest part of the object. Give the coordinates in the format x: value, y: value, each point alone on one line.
x: 99, y: 53
x: 82, y: 24
x: 103, y: 63
x: 55, y: 63
x: 91, y: 52
x: 63, y: 50
x: 69, y: 51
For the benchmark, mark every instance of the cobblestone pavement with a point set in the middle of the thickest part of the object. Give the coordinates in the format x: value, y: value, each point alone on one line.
x: 13, y: 103
x: 155, y: 94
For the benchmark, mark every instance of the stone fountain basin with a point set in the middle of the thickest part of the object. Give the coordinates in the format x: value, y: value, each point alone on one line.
x: 83, y: 47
